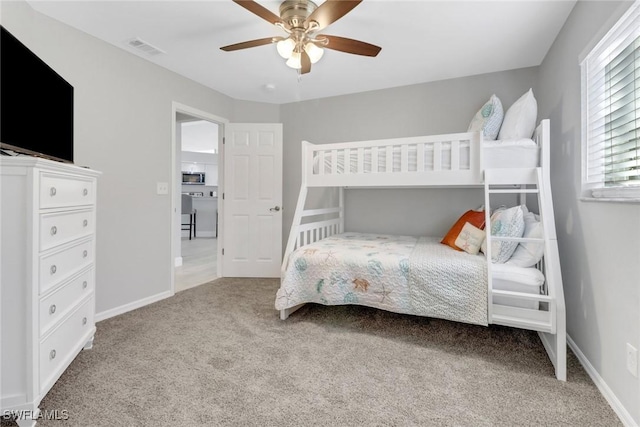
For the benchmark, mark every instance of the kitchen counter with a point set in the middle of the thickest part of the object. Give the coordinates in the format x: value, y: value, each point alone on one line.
x: 207, y: 216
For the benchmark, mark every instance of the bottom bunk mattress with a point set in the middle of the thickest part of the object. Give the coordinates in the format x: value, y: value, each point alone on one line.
x: 402, y: 274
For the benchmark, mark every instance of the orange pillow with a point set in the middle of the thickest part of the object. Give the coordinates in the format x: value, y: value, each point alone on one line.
x: 475, y: 218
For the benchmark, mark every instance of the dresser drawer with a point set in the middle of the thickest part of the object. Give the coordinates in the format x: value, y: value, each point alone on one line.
x: 57, y: 190
x: 62, y: 227
x: 56, y: 305
x: 58, y: 266
x: 59, y: 348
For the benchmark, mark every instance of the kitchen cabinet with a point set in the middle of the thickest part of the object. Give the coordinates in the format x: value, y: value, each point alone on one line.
x: 207, y: 208
x: 193, y: 167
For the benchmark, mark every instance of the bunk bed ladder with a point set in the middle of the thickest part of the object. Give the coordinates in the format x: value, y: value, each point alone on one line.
x: 549, y: 319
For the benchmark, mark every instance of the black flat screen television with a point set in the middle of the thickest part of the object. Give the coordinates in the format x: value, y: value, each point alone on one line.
x: 36, y: 104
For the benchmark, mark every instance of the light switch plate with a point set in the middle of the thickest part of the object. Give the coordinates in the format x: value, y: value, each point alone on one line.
x: 163, y: 188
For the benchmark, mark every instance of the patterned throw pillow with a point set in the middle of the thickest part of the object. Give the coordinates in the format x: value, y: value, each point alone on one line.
x: 488, y: 119
x: 505, y: 223
x: 475, y: 218
x: 470, y: 238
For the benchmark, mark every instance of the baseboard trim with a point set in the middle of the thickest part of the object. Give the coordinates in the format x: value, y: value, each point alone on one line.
x: 200, y: 234
x: 549, y: 347
x: 206, y: 234
x: 104, y: 315
x: 15, y: 402
x: 609, y: 395
x: 178, y: 262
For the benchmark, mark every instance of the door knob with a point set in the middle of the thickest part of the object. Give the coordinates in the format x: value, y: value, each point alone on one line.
x: 276, y: 209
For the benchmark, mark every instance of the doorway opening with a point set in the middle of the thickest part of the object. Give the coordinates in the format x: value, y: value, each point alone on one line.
x: 196, y: 208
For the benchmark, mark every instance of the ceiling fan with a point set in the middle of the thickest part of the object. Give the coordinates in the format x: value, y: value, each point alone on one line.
x: 301, y: 20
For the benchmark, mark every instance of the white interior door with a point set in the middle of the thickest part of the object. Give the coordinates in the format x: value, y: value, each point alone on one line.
x: 252, y: 200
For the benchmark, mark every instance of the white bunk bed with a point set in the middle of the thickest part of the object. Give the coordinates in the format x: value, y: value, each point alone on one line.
x: 453, y: 160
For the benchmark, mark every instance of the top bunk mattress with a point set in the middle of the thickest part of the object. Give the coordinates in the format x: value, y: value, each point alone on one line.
x: 517, y: 153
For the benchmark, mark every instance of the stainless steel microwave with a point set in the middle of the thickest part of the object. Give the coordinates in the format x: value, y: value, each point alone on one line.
x: 193, y: 178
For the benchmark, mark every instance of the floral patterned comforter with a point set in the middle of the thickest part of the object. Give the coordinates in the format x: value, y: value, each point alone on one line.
x: 382, y: 271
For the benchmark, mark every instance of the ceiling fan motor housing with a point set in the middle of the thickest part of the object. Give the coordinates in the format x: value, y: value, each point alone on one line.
x: 295, y: 12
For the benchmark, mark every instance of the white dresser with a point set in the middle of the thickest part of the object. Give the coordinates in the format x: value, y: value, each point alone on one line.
x: 47, y: 273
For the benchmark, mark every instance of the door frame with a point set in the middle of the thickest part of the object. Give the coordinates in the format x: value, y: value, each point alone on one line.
x: 177, y: 107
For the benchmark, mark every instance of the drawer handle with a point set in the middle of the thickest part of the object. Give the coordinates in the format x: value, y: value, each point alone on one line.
x: 85, y: 223
x: 84, y: 321
x: 52, y: 354
x: 54, y: 230
x: 52, y: 309
x: 85, y: 253
x: 84, y: 285
x: 52, y: 191
x: 85, y: 192
x: 53, y: 269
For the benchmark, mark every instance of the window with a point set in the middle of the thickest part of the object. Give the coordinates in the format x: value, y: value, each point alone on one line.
x: 611, y: 111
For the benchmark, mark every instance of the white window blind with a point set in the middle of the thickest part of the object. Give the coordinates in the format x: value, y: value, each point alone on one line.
x: 611, y: 106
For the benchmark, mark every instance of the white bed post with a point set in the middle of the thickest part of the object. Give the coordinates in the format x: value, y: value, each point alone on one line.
x: 341, y: 206
x: 487, y: 228
x: 543, y: 135
x: 297, y: 218
x: 293, y: 233
x: 555, y: 344
x: 297, y: 215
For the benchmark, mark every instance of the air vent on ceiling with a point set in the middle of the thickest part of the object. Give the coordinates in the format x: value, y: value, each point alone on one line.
x: 144, y: 47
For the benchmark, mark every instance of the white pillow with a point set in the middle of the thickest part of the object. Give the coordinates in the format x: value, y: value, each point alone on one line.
x: 528, y: 254
x: 488, y: 119
x: 520, y: 119
x: 505, y: 223
x: 525, y: 276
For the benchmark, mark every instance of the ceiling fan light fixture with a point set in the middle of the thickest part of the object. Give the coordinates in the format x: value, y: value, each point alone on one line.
x: 301, y: 19
x: 285, y: 47
x: 314, y: 52
x: 295, y: 61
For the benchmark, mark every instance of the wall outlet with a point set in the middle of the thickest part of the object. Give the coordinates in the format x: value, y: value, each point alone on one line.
x: 163, y: 188
x: 632, y: 360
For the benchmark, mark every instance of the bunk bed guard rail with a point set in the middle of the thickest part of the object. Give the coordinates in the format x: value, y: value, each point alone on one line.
x: 454, y: 159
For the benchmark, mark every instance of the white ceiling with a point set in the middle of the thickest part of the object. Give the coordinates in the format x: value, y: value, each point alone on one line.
x: 421, y: 41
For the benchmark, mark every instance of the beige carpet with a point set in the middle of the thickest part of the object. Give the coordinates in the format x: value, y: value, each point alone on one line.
x: 218, y: 355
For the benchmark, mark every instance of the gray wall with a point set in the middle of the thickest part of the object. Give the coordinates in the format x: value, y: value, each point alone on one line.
x: 430, y: 108
x: 123, y: 128
x: 599, y: 242
x: 255, y: 112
